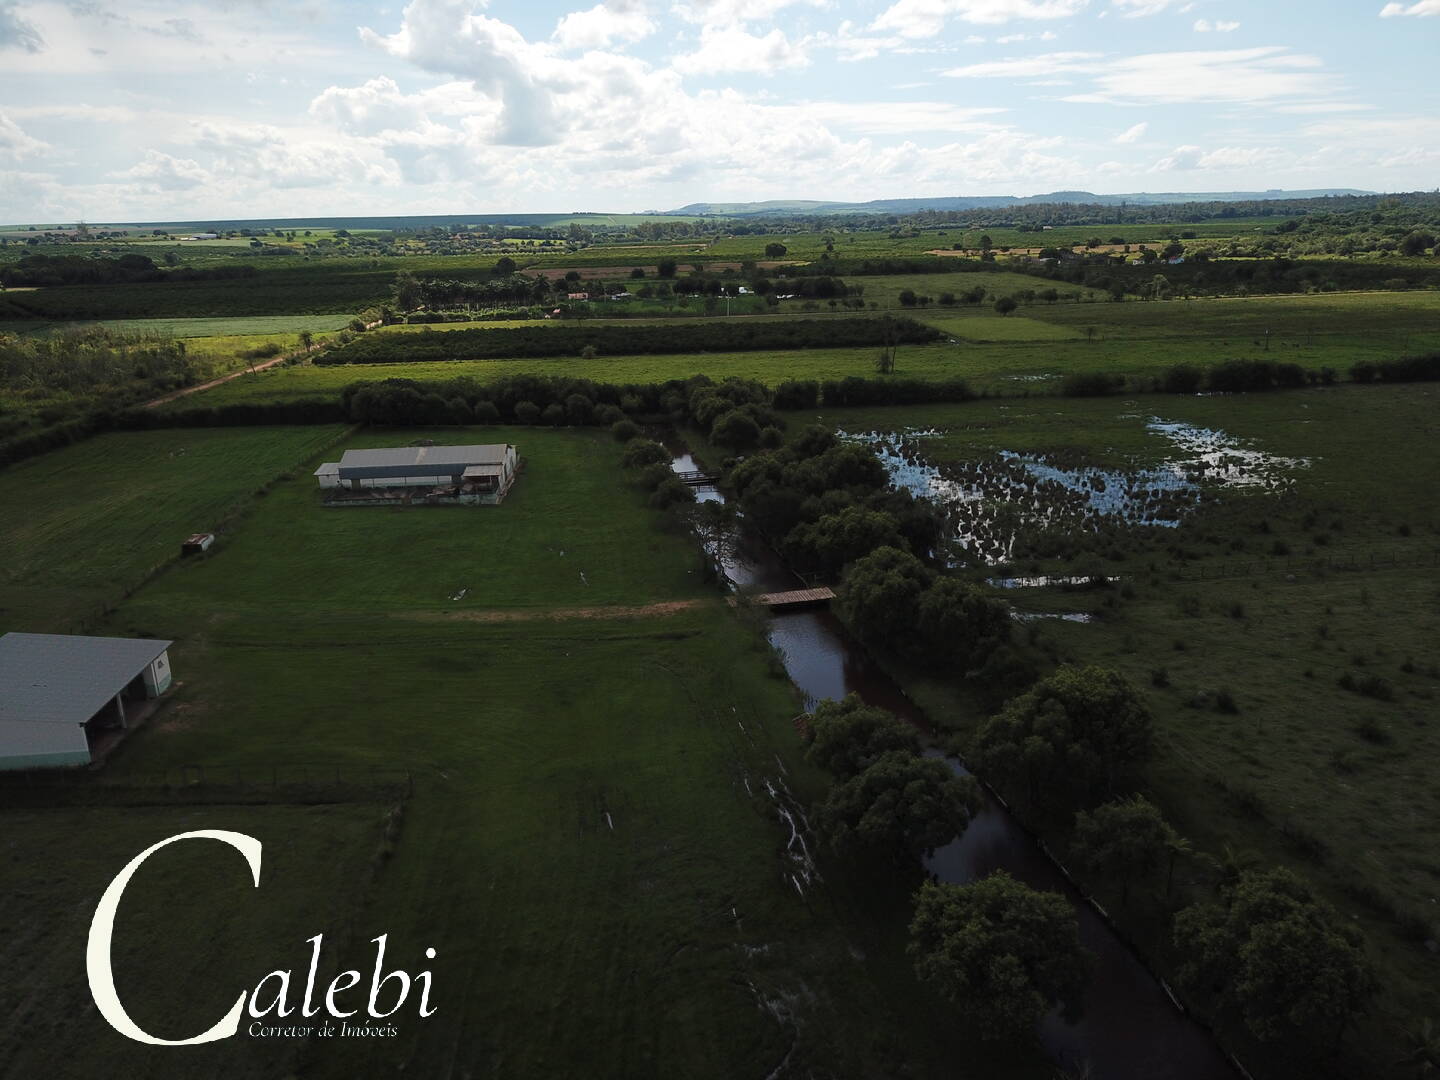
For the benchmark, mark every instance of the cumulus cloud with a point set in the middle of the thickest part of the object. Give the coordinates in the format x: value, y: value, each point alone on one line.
x: 1132, y: 134
x: 14, y: 143
x: 927, y: 18
x: 1187, y: 158
x: 617, y: 20
x: 157, y: 171
x: 376, y: 106
x: 17, y: 32
x: 1134, y: 9
x: 1420, y: 7
x: 733, y: 48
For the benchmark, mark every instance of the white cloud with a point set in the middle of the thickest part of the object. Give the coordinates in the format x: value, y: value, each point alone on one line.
x: 927, y: 18
x: 1028, y: 66
x: 1188, y: 158
x: 1205, y: 26
x: 617, y: 20
x: 161, y: 172
x: 1138, y: 8
x: 733, y: 48
x: 376, y: 106
x: 1420, y: 7
x: 1262, y: 74
x: 14, y: 143
x: 1132, y: 134
x: 724, y: 12
x: 17, y: 32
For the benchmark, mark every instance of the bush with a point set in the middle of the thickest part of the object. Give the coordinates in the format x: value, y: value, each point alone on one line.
x: 640, y: 452
x: 625, y: 430
x: 1092, y: 384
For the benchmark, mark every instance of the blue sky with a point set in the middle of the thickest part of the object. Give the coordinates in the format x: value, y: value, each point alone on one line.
x: 150, y: 109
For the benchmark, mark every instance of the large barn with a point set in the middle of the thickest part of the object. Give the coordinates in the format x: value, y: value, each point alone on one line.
x: 63, y: 697
x: 469, y: 473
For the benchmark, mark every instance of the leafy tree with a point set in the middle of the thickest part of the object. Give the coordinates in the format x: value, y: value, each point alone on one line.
x: 1005, y: 305
x: 505, y: 265
x: 407, y: 291
x: 735, y: 430
x: 900, y: 805
x: 847, y: 737
x: 1077, y: 736
x: 1126, y: 839
x: 960, y: 624
x: 836, y: 540
x: 1278, y: 955
x: 1003, y: 953
x: 880, y: 597
x: 775, y: 250
x: 908, y: 298
x: 665, y: 268
x: 1416, y: 242
x: 640, y: 452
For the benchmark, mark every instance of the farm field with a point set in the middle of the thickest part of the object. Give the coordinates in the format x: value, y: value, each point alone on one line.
x: 885, y: 289
x: 102, y: 515
x: 1031, y: 349
x: 1305, y: 773
x: 234, y: 326
x: 657, y: 930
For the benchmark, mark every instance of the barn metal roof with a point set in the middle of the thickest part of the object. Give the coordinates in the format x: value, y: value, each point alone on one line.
x: 391, y: 457
x: 65, y: 678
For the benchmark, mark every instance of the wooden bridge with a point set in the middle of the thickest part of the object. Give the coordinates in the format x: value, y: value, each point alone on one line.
x: 697, y: 478
x: 796, y: 598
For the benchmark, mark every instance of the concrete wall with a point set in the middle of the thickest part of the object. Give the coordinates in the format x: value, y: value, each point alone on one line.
x: 27, y: 744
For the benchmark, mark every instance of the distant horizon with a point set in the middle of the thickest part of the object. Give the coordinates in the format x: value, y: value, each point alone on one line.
x: 460, y: 215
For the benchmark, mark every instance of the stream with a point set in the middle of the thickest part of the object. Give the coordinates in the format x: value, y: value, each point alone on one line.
x: 1130, y: 1030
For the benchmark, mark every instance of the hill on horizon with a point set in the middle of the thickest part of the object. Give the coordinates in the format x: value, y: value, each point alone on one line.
x: 985, y: 202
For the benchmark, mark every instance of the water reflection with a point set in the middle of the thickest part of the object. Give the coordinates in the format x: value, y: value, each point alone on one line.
x: 992, y: 501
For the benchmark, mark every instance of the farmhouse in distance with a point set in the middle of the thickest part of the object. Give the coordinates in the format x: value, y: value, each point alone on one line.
x: 436, y: 475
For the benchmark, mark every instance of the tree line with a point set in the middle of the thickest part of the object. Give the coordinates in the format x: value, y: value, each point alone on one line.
x: 537, y: 341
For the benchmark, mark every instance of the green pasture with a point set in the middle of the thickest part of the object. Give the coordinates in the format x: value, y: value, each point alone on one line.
x: 234, y: 326
x: 571, y: 533
x: 1232, y: 601
x: 192, y: 933
x: 92, y: 521
x: 589, y: 846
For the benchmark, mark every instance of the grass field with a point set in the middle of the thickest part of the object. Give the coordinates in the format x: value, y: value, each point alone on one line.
x: 192, y: 932
x: 226, y: 327
x: 1306, y: 772
x: 589, y: 845
x: 101, y: 516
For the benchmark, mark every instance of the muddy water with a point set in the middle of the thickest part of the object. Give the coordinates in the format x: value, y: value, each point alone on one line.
x: 1130, y: 1030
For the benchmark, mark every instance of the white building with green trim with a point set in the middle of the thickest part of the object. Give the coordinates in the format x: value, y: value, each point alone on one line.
x: 62, y: 694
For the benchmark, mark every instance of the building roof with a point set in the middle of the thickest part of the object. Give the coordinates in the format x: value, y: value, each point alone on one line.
x: 65, y: 678
x: 396, y: 456
x: 484, y: 470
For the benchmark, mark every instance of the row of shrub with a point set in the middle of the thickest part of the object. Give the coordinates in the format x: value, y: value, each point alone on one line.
x: 1422, y: 368
x: 534, y: 341
x: 1236, y: 376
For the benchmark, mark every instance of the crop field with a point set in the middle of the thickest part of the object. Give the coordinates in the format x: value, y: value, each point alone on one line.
x: 589, y: 844
x: 1306, y: 772
x: 101, y: 516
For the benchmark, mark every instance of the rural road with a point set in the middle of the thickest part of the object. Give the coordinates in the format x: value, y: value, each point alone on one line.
x: 186, y: 391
